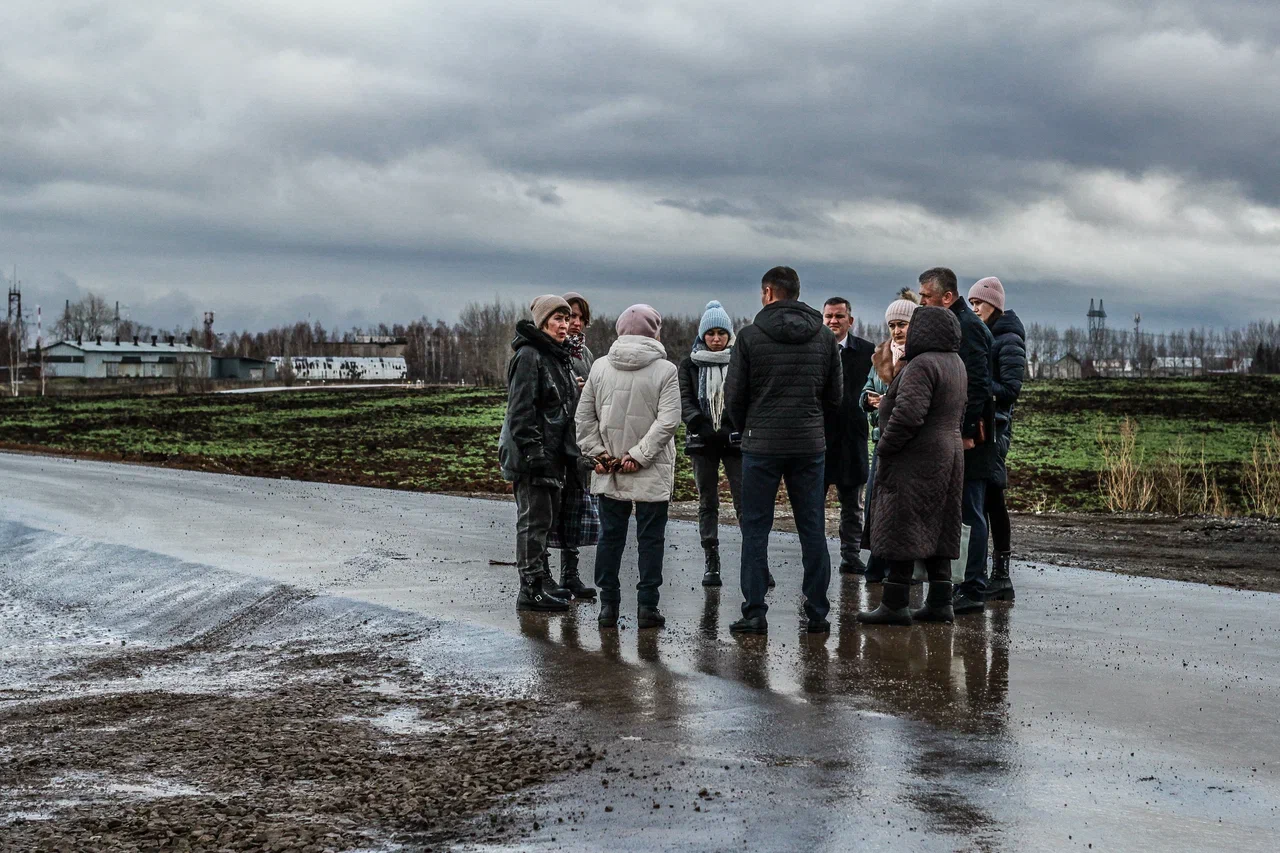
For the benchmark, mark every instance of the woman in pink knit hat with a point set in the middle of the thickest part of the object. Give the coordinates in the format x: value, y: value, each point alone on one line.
x: 1008, y: 366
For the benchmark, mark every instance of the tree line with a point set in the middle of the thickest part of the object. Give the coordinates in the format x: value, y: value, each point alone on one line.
x: 474, y: 349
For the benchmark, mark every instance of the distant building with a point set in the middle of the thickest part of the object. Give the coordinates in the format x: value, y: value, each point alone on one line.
x: 251, y: 369
x: 1109, y: 367
x: 366, y: 346
x: 1176, y: 366
x: 125, y: 360
x: 311, y: 369
x: 1066, y: 367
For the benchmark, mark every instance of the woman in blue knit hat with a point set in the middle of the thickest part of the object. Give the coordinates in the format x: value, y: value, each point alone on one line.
x: 711, y: 441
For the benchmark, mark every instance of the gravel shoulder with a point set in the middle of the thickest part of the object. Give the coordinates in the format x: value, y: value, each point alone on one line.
x: 233, y: 714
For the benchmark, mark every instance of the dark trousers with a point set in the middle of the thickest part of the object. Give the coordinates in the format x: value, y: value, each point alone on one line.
x: 851, y: 513
x: 536, y: 509
x: 651, y: 534
x: 939, y: 569
x: 974, y: 515
x: 706, y: 474
x: 804, y: 478
x: 998, y: 518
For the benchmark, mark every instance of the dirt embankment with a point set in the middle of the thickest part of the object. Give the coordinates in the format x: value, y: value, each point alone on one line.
x: 252, y: 736
x: 1241, y: 553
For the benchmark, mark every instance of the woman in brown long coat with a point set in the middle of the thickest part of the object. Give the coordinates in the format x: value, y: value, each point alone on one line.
x: 920, y: 470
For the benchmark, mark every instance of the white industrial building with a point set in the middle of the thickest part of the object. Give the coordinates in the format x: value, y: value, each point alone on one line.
x: 346, y: 369
x: 125, y: 359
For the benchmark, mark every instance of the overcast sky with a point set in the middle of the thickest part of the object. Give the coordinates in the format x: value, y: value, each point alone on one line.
x: 374, y: 161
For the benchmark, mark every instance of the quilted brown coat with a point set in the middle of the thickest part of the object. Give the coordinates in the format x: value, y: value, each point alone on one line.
x: 920, y: 458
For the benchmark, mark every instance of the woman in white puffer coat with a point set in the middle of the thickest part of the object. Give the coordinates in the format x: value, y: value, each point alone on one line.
x: 626, y: 421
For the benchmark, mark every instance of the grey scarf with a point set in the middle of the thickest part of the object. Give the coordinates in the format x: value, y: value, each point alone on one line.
x: 712, y: 367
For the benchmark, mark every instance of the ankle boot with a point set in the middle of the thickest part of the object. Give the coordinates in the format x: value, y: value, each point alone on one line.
x: 608, y: 617
x: 570, y: 580
x: 893, y: 607
x: 937, y: 605
x: 649, y: 617
x: 1000, y: 588
x: 549, y: 581
x: 533, y: 596
x: 712, y: 575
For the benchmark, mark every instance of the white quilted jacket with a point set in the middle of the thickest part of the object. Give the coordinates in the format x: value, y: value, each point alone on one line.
x: 631, y: 404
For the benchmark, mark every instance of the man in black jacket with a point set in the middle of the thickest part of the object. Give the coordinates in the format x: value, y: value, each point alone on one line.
x: 939, y: 288
x: 847, y: 433
x: 784, y: 379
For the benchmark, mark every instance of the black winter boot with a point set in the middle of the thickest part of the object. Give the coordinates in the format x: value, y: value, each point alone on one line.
x: 1000, y: 587
x: 649, y: 617
x: 712, y: 575
x: 608, y: 617
x: 549, y: 581
x: 533, y: 596
x: 964, y: 601
x: 893, y: 607
x: 937, y: 605
x: 570, y: 580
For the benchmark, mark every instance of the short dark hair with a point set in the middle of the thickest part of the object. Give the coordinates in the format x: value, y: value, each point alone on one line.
x: 839, y: 300
x: 942, y: 278
x: 784, y: 280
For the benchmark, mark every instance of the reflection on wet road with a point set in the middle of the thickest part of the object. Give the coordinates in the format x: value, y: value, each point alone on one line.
x: 1100, y: 712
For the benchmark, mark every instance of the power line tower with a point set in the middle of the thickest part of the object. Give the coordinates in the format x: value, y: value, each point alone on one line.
x: 1097, y: 328
x: 17, y: 335
x: 1137, y: 343
x: 208, y: 330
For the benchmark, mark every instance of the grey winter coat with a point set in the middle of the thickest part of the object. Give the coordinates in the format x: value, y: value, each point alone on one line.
x: 916, y: 497
x: 784, y: 379
x: 1008, y: 367
x: 582, y: 365
x: 537, y: 438
x: 981, y: 462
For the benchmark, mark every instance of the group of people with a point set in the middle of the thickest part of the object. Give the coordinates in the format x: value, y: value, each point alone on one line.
x: 912, y: 433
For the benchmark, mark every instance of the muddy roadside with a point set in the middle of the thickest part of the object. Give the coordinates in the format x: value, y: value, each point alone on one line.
x: 284, y: 721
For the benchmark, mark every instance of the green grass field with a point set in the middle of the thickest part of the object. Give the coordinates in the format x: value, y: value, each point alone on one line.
x: 445, y: 439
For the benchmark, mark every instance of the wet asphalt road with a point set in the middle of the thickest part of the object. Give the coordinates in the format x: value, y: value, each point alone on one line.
x: 1100, y: 712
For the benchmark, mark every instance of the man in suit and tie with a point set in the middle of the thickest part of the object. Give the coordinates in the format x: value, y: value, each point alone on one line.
x: 847, y: 433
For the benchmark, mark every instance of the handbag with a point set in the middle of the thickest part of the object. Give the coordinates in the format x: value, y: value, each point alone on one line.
x: 579, y: 523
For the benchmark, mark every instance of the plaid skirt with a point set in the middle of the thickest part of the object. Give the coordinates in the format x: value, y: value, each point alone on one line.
x: 578, y: 523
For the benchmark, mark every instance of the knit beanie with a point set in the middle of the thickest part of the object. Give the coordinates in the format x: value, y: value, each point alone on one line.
x: 544, y: 306
x: 715, y: 317
x: 901, y: 308
x: 990, y: 291
x: 640, y: 320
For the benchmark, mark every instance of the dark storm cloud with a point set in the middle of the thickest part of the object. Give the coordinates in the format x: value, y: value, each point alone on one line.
x: 256, y: 157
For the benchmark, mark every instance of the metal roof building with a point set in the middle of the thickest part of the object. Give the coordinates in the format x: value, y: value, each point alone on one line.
x: 125, y: 359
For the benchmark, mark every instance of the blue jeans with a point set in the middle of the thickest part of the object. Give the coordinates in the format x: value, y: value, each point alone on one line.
x: 804, y: 478
x: 651, y: 533
x: 974, y: 514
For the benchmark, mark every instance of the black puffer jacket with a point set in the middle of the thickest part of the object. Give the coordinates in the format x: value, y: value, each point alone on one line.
x: 1008, y: 367
x: 538, y: 439
x: 699, y: 435
x: 983, y: 461
x: 784, y: 379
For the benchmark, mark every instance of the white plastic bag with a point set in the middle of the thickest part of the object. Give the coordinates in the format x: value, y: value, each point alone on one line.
x: 957, y: 565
